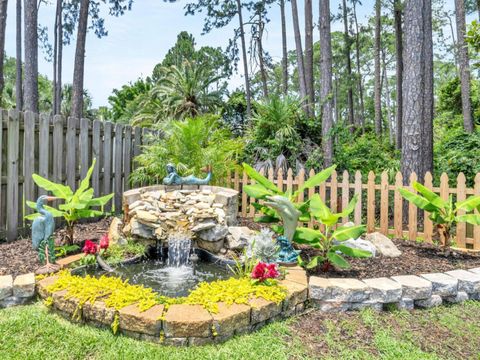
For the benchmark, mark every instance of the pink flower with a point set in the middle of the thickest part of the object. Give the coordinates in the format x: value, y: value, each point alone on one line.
x: 90, y: 247
x: 263, y: 271
x: 104, y: 242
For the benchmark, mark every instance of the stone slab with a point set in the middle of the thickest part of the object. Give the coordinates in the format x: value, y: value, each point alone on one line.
x: 405, y: 304
x: 42, y: 286
x: 99, y: 313
x: 67, y: 305
x: 475, y: 270
x: 230, y: 318
x: 384, y: 290
x: 146, y: 322
x: 332, y: 306
x: 369, y: 304
x: 296, y: 274
x: 347, y: 290
x: 263, y: 310
x: 186, y: 321
x: 24, y: 285
x: 433, y: 301
x: 442, y: 284
x: 319, y: 288
x: 414, y: 287
x: 467, y: 280
x: 6, y: 286
x: 66, y: 261
x: 461, y: 296
x: 296, y: 293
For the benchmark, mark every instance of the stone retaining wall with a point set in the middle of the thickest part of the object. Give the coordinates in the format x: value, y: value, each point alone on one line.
x: 185, y: 324
x: 402, y: 292
x: 16, y: 292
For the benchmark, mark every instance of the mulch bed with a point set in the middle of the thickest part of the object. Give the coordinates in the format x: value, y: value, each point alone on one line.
x: 18, y: 257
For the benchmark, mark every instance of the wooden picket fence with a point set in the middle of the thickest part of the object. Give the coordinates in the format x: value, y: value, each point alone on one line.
x: 61, y: 150
x: 380, y: 205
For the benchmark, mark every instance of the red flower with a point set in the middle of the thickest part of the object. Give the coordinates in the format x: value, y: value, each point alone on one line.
x: 90, y: 247
x: 104, y: 242
x: 263, y: 271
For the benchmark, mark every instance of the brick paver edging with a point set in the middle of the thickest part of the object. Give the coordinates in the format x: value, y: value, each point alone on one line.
x: 402, y: 292
x: 185, y: 324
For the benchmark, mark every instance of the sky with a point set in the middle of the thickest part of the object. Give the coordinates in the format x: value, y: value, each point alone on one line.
x: 139, y: 40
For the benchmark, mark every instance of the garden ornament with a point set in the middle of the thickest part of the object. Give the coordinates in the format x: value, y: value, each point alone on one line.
x: 173, y: 178
x: 290, y: 216
x: 42, y: 239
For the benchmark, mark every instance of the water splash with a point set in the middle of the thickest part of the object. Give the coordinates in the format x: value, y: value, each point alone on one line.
x: 179, y: 247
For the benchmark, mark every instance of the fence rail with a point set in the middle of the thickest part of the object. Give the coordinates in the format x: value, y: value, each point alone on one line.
x: 380, y: 205
x: 61, y: 150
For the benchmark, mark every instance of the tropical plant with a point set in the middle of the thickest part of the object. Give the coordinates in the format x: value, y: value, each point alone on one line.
x: 191, y: 145
x: 77, y: 205
x: 184, y: 91
x: 443, y: 213
x: 264, y: 188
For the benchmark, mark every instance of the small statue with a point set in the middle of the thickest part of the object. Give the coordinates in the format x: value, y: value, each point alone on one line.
x: 290, y: 216
x: 173, y: 178
x: 42, y: 240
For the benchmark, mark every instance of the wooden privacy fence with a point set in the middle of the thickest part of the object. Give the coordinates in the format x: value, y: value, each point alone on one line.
x: 380, y: 205
x: 61, y: 150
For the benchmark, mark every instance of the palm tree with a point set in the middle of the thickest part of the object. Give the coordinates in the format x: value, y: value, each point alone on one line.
x: 185, y: 91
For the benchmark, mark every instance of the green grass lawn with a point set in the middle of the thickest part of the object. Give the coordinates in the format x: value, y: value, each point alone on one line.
x: 453, y: 332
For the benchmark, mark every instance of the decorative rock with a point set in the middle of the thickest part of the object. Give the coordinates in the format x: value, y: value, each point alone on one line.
x: 213, y: 234
x: 140, y: 229
x: 99, y: 313
x: 383, y: 244
x: 475, y: 270
x: 341, y: 290
x: 67, y: 305
x: 6, y: 286
x: 43, y: 284
x: 433, y: 301
x: 467, y: 281
x: 461, y: 296
x: 384, y: 290
x: 146, y: 217
x: 202, y: 206
x: 114, y: 234
x: 332, y: 306
x: 371, y: 304
x: 203, y: 226
x: 238, y: 237
x: 296, y: 274
x: 296, y: 293
x: 361, y: 244
x: 186, y: 321
x: 414, y: 287
x: 442, y: 284
x: 146, y: 322
x: 405, y: 304
x: 230, y: 318
x: 24, y: 286
x: 319, y: 288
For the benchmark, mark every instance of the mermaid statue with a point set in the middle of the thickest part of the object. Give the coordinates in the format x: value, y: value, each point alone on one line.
x: 173, y: 178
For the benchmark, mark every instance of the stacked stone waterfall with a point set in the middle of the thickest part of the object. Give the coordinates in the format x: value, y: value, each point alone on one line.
x: 205, y: 212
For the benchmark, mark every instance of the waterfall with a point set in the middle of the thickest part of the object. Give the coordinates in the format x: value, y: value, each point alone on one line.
x: 178, y: 250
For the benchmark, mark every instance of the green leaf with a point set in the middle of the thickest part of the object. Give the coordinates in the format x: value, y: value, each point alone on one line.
x: 344, y: 233
x: 315, y: 180
x: 318, y: 208
x: 305, y: 235
x: 267, y: 219
x: 58, y: 190
x: 101, y: 201
x: 259, y: 178
x: 55, y: 213
x: 257, y: 191
x: 337, y: 260
x: 473, y: 219
x: 469, y: 204
x: 265, y: 210
x: 350, y: 207
x: 352, y: 252
x: 418, y: 201
x: 317, y: 260
x: 85, y: 183
x: 278, y: 229
x: 429, y: 195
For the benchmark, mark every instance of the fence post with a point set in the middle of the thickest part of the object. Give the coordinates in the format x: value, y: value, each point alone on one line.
x: 28, y: 162
x: 107, y: 161
x: 398, y: 207
x: 412, y: 212
x: 96, y: 141
x: 334, y: 192
x: 118, y: 152
x: 371, y: 202
x: 300, y: 182
x: 427, y: 223
x: 84, y: 148
x: 476, y: 228
x: 14, y: 118
x: 71, y: 142
x: 384, y: 204
x: 358, y: 192
x: 345, y: 193
x: 461, y: 195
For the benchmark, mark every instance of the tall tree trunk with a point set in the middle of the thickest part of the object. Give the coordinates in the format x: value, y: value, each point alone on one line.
x: 348, y: 65
x: 298, y: 47
x: 309, y: 87
x: 31, y: 55
x: 19, y: 69
x: 391, y: 131
x: 478, y: 9
x: 361, y: 114
x: 428, y: 95
x: 398, y: 69
x: 3, y: 25
x: 244, y: 58
x: 378, y: 86
x: 79, y: 69
x: 454, y: 42
x: 263, y: 72
x: 326, y: 82
x: 417, y: 90
x: 57, y: 59
x: 284, y: 48
x: 463, y: 66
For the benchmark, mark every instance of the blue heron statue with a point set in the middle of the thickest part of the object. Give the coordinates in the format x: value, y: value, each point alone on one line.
x: 42, y: 239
